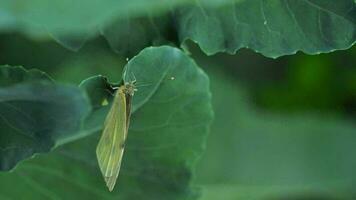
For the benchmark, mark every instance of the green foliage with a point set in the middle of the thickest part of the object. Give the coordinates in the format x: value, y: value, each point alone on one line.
x: 36, y: 114
x: 166, y: 136
x: 326, y: 84
x: 273, y: 28
x: 253, y: 154
x: 66, y: 17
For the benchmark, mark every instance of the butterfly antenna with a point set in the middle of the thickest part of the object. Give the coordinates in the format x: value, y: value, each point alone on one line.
x: 144, y: 85
x: 172, y: 78
x: 134, y: 77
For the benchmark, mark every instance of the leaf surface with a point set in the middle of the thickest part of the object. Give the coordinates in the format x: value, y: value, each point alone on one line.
x: 166, y: 137
x: 271, y: 27
x: 36, y: 114
x: 255, y: 154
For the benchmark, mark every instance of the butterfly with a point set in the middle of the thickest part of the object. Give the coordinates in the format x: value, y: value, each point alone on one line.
x: 111, y: 145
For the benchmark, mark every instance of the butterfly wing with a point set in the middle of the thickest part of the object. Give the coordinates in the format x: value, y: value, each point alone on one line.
x: 111, y: 145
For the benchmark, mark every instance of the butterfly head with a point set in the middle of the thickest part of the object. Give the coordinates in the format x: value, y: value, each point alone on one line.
x: 130, y: 88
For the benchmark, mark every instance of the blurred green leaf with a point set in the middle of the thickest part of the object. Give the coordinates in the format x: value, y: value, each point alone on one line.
x: 89, y: 62
x: 36, y: 114
x: 322, y: 83
x: 253, y: 154
x: 167, y: 132
x: 66, y: 17
x: 61, y: 64
x: 237, y: 192
x: 73, y: 22
x: 129, y: 35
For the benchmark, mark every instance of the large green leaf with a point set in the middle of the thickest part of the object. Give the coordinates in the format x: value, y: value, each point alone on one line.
x: 259, y: 155
x: 36, y: 114
x: 167, y: 132
x: 271, y: 27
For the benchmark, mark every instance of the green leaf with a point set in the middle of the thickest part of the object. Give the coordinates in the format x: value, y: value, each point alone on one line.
x: 72, y: 23
x: 35, y: 114
x: 66, y: 16
x: 273, y: 28
x: 253, y: 154
x: 167, y: 132
x: 231, y: 191
x: 139, y: 33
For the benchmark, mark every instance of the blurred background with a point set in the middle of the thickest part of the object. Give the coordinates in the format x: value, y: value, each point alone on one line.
x: 284, y: 128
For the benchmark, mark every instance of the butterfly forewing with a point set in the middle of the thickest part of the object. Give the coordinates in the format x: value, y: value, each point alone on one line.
x: 111, y: 145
